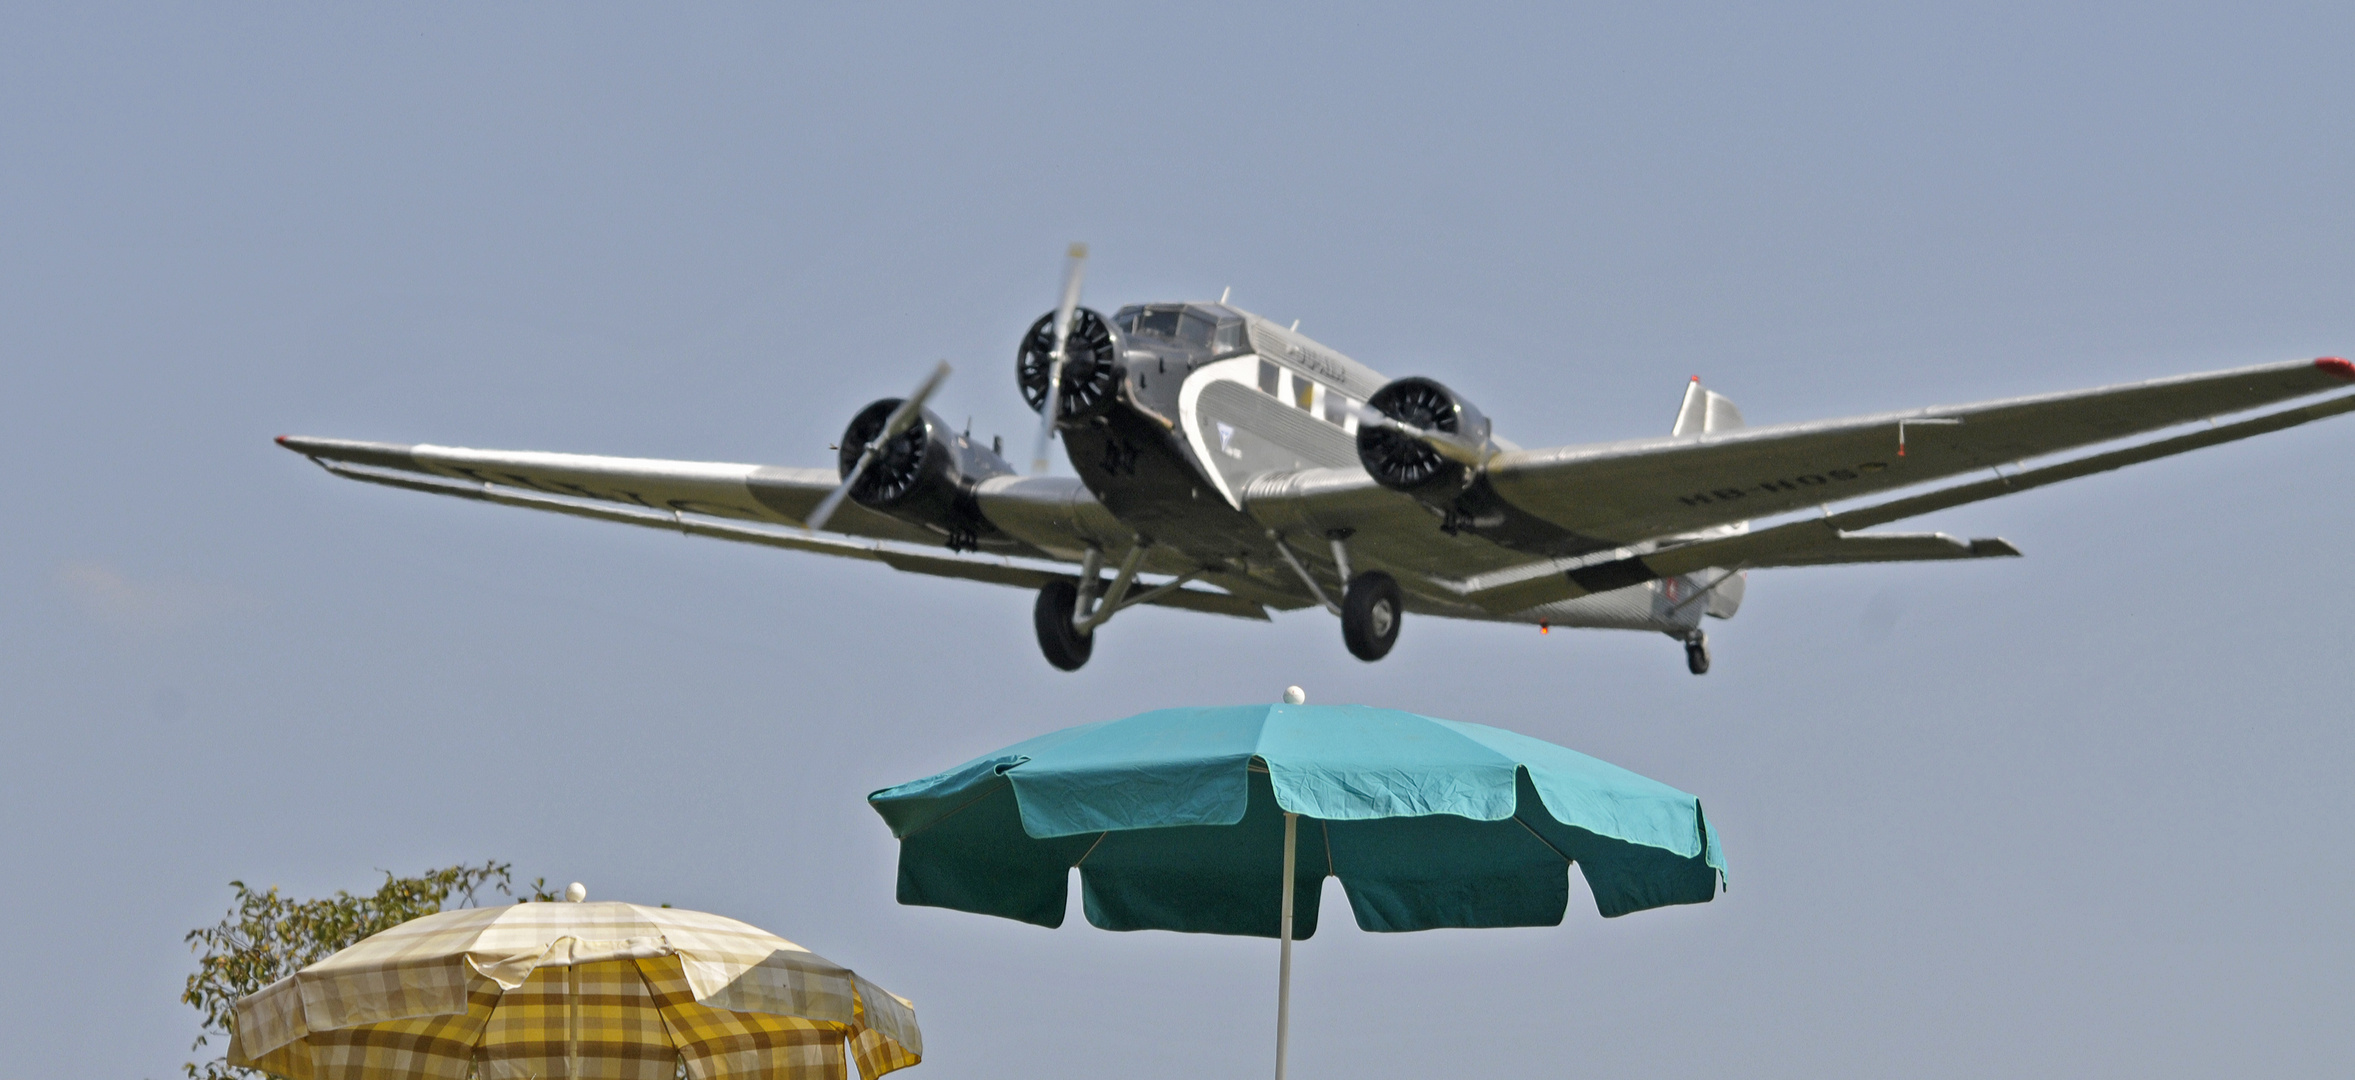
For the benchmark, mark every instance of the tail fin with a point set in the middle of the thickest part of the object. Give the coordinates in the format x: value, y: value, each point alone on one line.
x: 1705, y: 411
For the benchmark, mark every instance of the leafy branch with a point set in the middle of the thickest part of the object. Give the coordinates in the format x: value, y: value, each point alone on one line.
x: 266, y: 936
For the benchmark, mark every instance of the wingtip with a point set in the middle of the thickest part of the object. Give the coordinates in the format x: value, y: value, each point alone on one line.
x: 2337, y: 366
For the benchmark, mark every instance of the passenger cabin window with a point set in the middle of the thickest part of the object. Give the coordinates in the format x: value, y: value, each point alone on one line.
x: 1269, y: 374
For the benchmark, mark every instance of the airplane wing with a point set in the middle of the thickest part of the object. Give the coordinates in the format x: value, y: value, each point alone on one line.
x: 1622, y: 493
x: 660, y: 494
x: 766, y: 493
x: 1830, y: 538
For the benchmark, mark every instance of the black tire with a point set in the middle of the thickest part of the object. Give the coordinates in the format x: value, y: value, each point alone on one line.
x: 1696, y: 656
x: 1066, y: 648
x: 1370, y: 613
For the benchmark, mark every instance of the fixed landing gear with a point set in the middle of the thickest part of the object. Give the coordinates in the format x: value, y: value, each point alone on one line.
x: 1370, y: 613
x: 1696, y: 653
x: 1058, y: 637
x: 1068, y: 612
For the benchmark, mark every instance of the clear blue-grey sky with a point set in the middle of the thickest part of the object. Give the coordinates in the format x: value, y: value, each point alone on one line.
x: 2074, y: 814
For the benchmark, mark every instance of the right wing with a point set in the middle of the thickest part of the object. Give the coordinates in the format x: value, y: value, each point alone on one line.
x: 659, y: 494
x: 1624, y: 493
x: 1829, y: 539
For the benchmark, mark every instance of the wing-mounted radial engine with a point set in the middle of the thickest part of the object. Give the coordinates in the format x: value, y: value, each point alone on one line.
x: 925, y: 475
x: 1427, y: 441
x: 1416, y: 436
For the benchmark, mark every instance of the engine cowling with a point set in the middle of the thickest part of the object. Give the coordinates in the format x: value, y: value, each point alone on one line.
x: 1401, y: 462
x: 1091, y: 366
x: 925, y: 477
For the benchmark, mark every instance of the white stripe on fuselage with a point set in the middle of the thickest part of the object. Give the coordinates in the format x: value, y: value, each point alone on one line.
x: 1242, y: 369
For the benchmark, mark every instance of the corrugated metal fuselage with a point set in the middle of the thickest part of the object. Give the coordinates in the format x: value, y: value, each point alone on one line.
x: 1203, y: 420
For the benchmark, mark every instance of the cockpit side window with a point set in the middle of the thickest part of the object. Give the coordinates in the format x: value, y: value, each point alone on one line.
x: 1175, y: 324
x: 1158, y: 322
x: 1230, y: 339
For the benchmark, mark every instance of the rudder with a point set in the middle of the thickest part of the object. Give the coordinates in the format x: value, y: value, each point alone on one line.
x: 1704, y: 411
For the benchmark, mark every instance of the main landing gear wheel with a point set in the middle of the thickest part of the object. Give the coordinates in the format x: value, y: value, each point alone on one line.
x: 1370, y: 613
x: 1066, y: 647
x: 1696, y: 653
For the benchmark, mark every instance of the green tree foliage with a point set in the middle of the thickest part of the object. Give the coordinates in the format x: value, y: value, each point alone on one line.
x: 266, y: 937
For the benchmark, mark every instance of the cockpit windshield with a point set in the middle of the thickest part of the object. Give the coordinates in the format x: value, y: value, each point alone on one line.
x: 1185, y: 324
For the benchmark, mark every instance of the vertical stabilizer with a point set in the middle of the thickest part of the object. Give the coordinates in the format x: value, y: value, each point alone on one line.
x: 1704, y: 411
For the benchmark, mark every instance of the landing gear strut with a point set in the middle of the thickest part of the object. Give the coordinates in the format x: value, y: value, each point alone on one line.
x: 1696, y: 653
x: 1370, y: 613
x: 1065, y: 646
x: 1068, y: 612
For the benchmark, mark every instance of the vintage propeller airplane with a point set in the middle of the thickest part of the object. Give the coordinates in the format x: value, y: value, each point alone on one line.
x: 1216, y: 448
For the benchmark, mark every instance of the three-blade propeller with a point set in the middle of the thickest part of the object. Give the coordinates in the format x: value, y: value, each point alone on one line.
x: 1447, y: 445
x: 1072, y: 272
x: 901, y: 418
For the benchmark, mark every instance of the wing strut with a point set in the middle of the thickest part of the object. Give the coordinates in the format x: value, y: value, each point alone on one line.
x: 1292, y: 560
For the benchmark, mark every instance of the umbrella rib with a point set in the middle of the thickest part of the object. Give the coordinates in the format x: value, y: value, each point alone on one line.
x: 1326, y: 828
x: 1549, y: 845
x: 1083, y: 856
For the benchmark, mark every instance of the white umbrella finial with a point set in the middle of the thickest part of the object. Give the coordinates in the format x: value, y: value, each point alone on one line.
x: 1294, y: 695
x: 576, y: 892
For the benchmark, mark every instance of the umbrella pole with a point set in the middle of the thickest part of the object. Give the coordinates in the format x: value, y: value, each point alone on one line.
x: 1284, y: 966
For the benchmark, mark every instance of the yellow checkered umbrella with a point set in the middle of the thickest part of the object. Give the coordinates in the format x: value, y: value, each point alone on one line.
x: 602, y: 991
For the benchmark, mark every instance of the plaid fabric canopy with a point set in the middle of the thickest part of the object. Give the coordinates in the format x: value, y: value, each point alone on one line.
x: 602, y: 991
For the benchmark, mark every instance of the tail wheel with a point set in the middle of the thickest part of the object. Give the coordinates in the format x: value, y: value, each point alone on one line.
x: 1065, y: 647
x: 1370, y: 613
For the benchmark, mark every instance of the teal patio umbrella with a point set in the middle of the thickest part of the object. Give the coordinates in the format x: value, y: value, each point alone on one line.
x: 1213, y: 820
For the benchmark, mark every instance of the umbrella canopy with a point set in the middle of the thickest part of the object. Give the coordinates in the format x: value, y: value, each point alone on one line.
x: 606, y: 990
x: 1176, y: 820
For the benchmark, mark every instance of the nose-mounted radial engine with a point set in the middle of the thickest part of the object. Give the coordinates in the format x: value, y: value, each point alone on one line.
x: 1069, y: 366
x: 1090, y: 379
